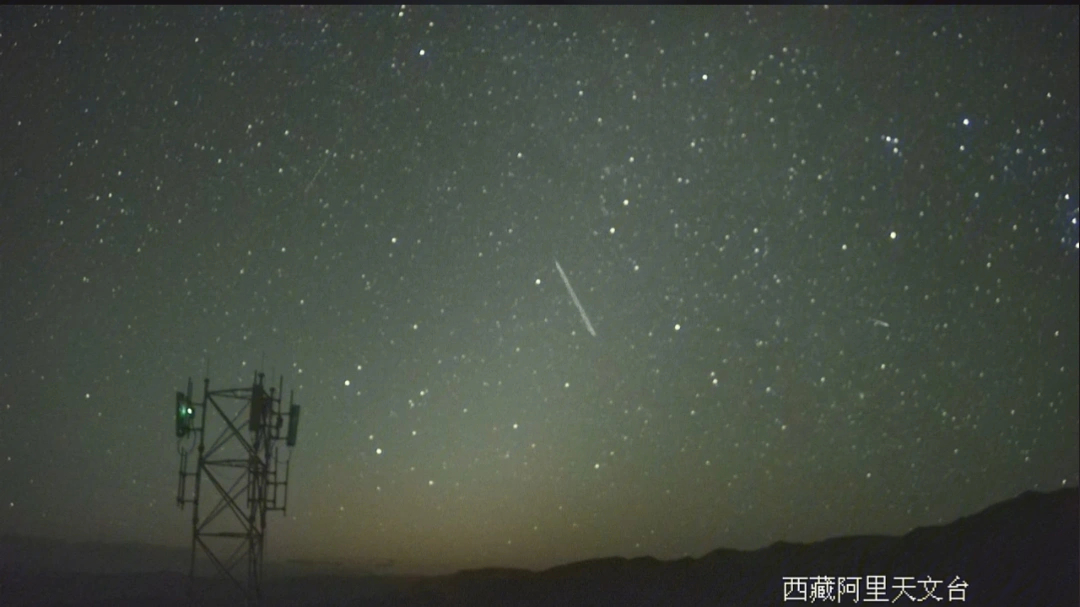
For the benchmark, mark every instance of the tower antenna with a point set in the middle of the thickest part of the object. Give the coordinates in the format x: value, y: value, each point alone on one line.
x: 237, y: 473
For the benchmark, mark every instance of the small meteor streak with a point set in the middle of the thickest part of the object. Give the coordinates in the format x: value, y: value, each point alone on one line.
x: 566, y: 281
x: 317, y: 173
x: 879, y: 323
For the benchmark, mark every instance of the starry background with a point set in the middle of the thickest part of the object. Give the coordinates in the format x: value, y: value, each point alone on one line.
x: 830, y: 255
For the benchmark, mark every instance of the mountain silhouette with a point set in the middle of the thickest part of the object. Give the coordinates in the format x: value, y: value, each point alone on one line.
x: 1023, y: 551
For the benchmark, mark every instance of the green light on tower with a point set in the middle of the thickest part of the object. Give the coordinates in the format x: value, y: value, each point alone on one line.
x: 185, y: 415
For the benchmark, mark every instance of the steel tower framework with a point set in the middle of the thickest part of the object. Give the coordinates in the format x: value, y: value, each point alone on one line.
x: 236, y: 434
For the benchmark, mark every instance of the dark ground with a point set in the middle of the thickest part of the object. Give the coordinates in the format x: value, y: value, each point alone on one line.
x: 1020, y: 552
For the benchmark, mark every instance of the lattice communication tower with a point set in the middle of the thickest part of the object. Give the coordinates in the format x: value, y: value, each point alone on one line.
x: 236, y: 435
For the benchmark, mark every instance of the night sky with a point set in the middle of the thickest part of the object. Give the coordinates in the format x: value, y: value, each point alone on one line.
x: 829, y: 255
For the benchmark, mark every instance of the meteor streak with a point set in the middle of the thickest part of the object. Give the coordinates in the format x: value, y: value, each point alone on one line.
x: 566, y: 281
